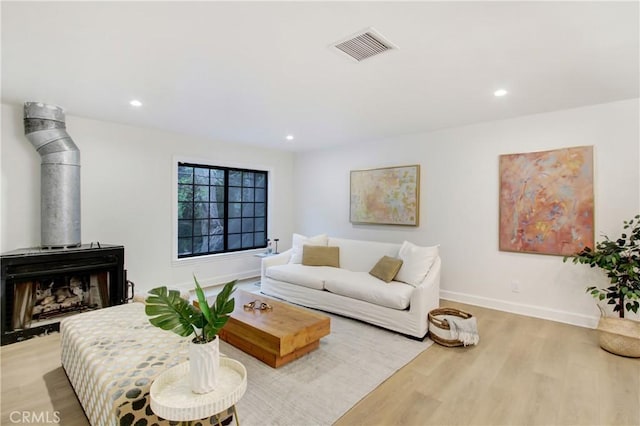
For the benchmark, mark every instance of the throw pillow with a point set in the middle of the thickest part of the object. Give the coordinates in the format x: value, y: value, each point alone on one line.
x: 386, y: 268
x: 321, y: 256
x: 300, y: 240
x: 416, y: 262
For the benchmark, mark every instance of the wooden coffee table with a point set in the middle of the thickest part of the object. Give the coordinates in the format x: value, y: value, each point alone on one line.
x: 277, y: 336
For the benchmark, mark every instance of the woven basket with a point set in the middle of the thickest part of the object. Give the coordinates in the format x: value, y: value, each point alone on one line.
x: 620, y: 336
x: 439, y: 330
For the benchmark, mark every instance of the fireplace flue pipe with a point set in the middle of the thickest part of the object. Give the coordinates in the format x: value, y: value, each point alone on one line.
x: 44, y: 126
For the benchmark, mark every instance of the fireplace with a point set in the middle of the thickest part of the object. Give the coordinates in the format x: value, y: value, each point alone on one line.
x: 40, y: 286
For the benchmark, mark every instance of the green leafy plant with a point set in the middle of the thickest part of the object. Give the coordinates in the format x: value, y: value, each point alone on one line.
x: 171, y: 312
x: 620, y: 259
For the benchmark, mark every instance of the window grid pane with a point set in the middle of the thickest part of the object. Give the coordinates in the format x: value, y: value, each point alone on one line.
x: 220, y: 209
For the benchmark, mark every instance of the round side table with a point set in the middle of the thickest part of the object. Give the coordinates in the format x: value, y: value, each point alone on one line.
x: 172, y: 398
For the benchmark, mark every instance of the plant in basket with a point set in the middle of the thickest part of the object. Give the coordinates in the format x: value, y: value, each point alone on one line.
x: 620, y: 260
x: 168, y: 311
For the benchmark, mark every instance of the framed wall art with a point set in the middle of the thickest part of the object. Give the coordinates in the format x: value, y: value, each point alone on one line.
x: 546, y: 201
x: 385, y: 196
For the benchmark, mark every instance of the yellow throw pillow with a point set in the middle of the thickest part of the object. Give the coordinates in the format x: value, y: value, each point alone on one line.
x: 386, y: 268
x: 321, y: 256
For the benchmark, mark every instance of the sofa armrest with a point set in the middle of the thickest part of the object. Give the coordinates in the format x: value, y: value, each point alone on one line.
x: 426, y: 296
x: 276, y: 259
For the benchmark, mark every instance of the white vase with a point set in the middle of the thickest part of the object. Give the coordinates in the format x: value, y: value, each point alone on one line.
x: 204, y: 364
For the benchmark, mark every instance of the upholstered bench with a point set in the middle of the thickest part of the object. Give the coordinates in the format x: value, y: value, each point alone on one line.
x: 111, y: 357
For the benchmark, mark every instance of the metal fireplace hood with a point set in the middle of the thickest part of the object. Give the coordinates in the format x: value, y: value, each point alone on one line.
x: 44, y: 126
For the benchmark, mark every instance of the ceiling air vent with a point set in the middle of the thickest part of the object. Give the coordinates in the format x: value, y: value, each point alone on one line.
x: 364, y: 44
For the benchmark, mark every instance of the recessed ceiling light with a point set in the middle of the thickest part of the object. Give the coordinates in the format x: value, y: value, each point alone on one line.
x: 135, y: 103
x: 500, y: 92
x: 289, y: 137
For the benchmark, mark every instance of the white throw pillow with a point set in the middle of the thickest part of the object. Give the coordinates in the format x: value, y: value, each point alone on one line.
x: 416, y: 262
x: 300, y: 240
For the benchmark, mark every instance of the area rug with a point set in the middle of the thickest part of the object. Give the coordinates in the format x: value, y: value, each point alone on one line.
x: 320, y: 387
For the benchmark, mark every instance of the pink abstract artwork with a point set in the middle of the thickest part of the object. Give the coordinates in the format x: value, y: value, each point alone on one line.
x: 546, y: 201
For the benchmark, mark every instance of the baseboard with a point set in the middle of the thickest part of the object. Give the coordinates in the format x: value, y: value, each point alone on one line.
x: 522, y: 309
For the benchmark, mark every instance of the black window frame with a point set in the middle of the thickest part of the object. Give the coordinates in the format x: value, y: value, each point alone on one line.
x: 236, y: 212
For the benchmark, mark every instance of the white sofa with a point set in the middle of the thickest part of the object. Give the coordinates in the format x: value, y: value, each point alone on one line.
x: 351, y: 291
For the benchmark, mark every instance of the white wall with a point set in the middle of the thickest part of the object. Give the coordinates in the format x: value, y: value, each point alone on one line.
x: 459, y: 202
x: 127, y: 199
x: 127, y: 195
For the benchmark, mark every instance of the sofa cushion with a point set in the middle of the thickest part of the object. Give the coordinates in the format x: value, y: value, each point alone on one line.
x: 362, y: 286
x: 321, y: 256
x: 299, y: 241
x: 416, y: 262
x: 358, y: 255
x: 386, y: 268
x: 307, y: 276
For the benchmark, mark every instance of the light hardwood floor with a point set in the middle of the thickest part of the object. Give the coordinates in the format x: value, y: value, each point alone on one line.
x: 525, y: 371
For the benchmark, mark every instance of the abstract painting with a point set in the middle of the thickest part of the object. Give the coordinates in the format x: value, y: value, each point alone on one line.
x: 386, y: 196
x: 546, y: 201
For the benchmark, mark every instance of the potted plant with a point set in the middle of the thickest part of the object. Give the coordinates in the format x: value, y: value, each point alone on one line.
x: 620, y: 259
x: 169, y: 311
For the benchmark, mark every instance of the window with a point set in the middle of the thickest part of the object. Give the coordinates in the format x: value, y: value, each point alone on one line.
x: 220, y: 209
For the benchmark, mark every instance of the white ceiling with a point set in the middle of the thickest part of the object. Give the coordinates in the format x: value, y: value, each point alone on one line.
x: 253, y: 72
